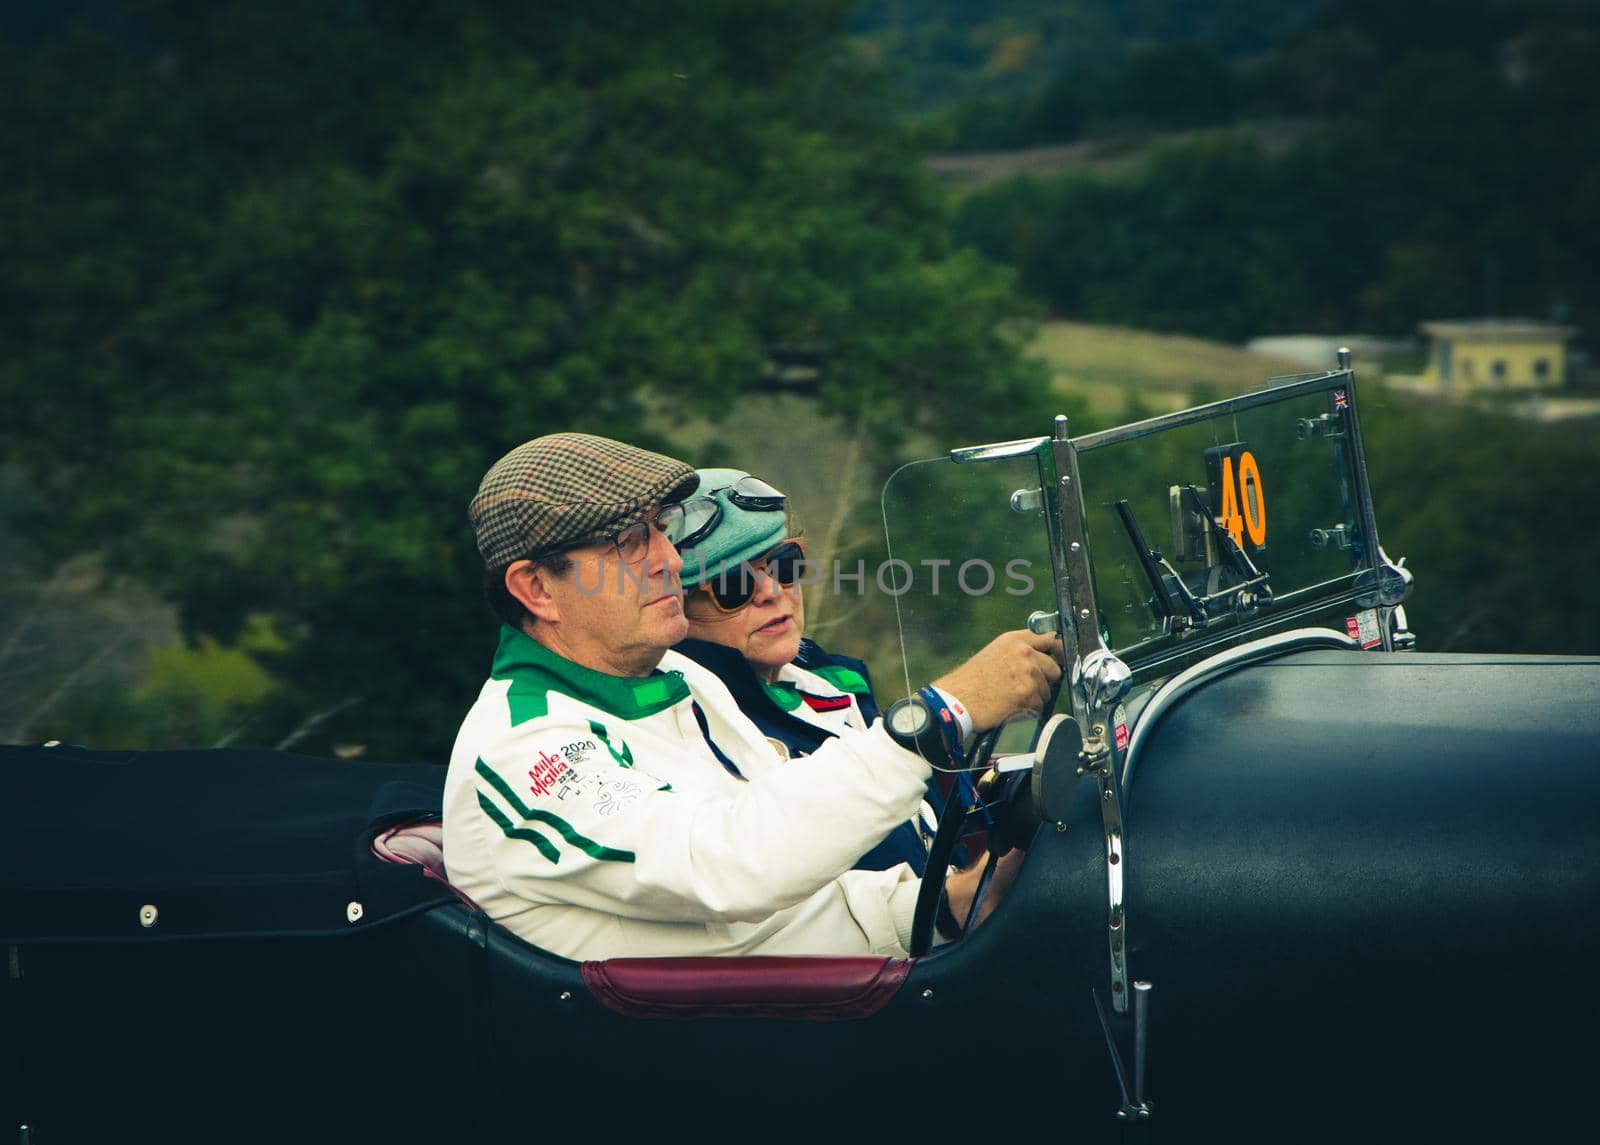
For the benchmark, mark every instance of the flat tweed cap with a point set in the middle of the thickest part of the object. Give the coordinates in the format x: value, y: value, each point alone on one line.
x: 567, y: 487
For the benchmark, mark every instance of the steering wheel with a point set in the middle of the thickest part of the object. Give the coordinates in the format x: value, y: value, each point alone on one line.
x: 1013, y: 822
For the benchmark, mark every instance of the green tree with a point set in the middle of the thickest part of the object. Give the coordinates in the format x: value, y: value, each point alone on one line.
x: 1492, y: 515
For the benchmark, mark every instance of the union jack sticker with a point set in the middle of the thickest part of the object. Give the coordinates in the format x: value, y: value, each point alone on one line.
x: 1339, y: 400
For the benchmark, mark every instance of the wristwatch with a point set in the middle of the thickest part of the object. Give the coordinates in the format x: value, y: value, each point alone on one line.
x: 912, y: 725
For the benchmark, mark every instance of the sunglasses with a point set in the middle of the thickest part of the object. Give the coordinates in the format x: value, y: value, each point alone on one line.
x: 732, y: 589
x: 702, y: 514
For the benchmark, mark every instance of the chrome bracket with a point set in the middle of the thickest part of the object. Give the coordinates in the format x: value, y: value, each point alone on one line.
x: 1403, y: 638
x: 1387, y: 584
x: 1027, y: 501
x: 1040, y: 622
x: 1096, y: 765
x: 1338, y: 536
x: 1099, y: 680
x: 1135, y: 1106
x: 1323, y: 425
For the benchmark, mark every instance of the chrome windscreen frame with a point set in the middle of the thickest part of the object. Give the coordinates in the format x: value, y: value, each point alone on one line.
x: 1375, y: 583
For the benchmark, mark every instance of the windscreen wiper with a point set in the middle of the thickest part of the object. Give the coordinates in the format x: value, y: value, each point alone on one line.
x: 1169, y: 589
x: 1243, y: 566
x: 1157, y: 571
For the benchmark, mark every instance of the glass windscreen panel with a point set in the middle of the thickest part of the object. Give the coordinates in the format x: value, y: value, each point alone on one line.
x: 1234, y: 519
x: 967, y: 558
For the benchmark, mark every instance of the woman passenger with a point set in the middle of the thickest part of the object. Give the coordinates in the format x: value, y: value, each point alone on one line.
x: 747, y: 624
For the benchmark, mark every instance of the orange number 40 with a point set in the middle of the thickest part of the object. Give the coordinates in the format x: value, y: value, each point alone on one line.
x: 1244, y: 504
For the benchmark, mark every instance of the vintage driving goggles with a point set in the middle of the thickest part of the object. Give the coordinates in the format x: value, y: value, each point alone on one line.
x: 703, y: 512
x: 731, y: 589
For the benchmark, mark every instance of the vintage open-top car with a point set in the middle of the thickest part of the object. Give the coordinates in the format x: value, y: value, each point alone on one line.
x: 1286, y: 878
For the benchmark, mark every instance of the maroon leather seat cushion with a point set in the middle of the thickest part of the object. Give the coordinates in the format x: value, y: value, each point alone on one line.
x: 792, y: 988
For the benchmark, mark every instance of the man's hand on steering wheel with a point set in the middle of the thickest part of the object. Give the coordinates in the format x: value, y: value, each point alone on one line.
x: 962, y: 885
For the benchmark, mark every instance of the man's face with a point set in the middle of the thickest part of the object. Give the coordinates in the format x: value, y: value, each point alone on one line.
x: 618, y: 616
x: 767, y: 630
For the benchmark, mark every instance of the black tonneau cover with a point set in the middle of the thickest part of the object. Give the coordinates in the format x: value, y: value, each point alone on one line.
x: 220, y: 843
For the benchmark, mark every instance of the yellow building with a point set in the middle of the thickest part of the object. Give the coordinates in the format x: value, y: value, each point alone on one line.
x: 1497, y: 354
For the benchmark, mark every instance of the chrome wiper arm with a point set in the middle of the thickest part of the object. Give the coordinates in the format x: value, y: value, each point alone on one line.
x: 1162, y: 601
x: 1163, y: 580
x: 1243, y: 566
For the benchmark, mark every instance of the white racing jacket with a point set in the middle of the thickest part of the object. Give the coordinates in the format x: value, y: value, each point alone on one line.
x: 835, y: 721
x: 593, y: 816
x: 800, y: 682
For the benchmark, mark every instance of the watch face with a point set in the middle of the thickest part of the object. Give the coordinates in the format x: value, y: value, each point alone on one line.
x: 908, y: 718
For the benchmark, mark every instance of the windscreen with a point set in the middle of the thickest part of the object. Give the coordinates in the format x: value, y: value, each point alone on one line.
x: 968, y: 558
x: 1204, y: 527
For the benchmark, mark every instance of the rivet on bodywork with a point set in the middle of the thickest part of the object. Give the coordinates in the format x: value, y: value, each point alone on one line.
x: 354, y: 911
x: 565, y: 996
x: 927, y: 992
x: 147, y: 915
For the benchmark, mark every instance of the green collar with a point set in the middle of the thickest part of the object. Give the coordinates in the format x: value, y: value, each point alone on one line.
x: 784, y: 693
x: 535, y: 671
x: 845, y: 679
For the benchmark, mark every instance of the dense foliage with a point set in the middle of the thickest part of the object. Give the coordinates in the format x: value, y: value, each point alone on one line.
x: 1495, y: 517
x: 966, y: 55
x: 1445, y: 165
x: 280, y: 281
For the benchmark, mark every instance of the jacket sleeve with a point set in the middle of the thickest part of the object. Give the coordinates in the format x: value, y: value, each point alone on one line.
x: 569, y: 816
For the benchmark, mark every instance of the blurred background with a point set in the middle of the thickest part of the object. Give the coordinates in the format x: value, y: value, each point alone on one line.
x: 278, y: 282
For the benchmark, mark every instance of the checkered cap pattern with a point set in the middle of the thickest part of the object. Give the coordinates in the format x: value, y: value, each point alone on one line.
x: 565, y: 487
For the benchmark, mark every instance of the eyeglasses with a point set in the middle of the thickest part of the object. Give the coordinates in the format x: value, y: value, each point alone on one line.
x: 632, y: 542
x: 702, y: 513
x: 732, y: 589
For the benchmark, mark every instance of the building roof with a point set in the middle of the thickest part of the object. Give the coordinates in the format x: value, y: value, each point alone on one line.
x: 1499, y: 329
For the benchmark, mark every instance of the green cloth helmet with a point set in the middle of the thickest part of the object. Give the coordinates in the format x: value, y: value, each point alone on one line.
x: 730, y: 517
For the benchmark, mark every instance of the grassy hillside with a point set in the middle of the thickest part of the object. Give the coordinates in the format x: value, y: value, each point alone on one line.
x: 1104, y: 368
x: 823, y: 461
x: 1105, y: 157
